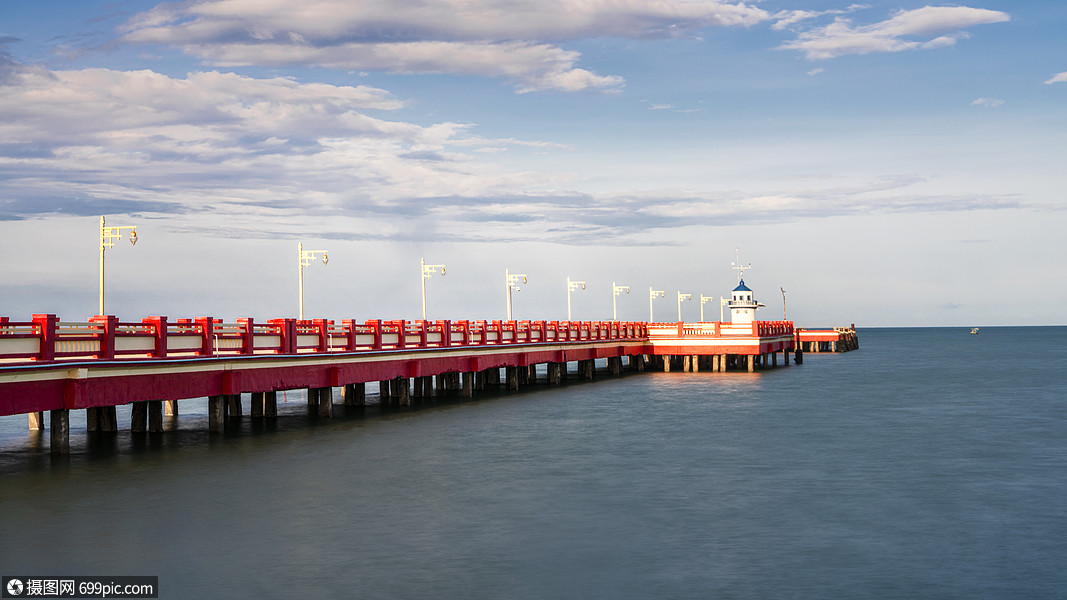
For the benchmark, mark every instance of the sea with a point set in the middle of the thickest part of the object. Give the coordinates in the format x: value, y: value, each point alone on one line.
x: 930, y: 463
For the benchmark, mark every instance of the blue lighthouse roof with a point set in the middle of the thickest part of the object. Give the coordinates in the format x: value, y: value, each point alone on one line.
x: 741, y: 287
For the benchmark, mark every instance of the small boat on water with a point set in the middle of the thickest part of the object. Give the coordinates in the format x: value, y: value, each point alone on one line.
x: 974, y: 331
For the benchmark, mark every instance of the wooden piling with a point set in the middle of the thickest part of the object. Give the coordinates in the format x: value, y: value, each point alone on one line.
x: 216, y: 412
x: 354, y: 394
x: 667, y: 364
x: 59, y: 434
x: 36, y: 421
x: 270, y: 404
x: 233, y: 405
x: 109, y: 418
x: 751, y: 363
x: 512, y: 374
x: 325, y: 395
x: 468, y: 384
x: 138, y: 417
x: 170, y: 408
x: 155, y: 416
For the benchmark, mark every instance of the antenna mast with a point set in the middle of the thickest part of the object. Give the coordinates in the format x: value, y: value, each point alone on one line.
x: 740, y: 268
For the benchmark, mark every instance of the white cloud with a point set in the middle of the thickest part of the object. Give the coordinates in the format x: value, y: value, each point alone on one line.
x: 493, y: 38
x: 816, y: 71
x: 74, y: 141
x: 895, y: 34
x: 785, y: 18
x: 987, y: 102
x: 1058, y: 78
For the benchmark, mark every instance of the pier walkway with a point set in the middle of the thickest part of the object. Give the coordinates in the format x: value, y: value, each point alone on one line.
x: 55, y: 366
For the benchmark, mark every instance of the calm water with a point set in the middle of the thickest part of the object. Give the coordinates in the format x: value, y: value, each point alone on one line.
x: 929, y: 464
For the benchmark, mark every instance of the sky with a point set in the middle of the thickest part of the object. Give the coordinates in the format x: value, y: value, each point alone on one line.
x: 882, y: 163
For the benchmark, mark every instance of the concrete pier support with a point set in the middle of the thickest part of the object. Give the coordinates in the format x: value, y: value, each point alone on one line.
x: 138, y: 417
x: 785, y: 357
x: 270, y: 405
x: 667, y: 363
x: 383, y: 392
x: 36, y: 421
x: 233, y: 405
x: 354, y: 394
x: 468, y: 384
x: 615, y: 366
x: 512, y: 374
x: 751, y: 363
x: 774, y: 359
x: 216, y: 413
x: 637, y: 362
x: 256, y: 407
x: 59, y: 434
x: 320, y: 401
x: 155, y: 416
x: 101, y: 418
x: 170, y: 408
x: 587, y: 369
x: 401, y: 390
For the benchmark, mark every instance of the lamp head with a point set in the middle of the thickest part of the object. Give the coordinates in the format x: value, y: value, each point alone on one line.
x: 325, y: 259
x: 133, y: 237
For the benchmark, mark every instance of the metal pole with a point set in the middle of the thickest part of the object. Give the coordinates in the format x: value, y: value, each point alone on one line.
x: 300, y: 269
x: 422, y: 275
x: 101, y: 266
x: 507, y: 281
x: 614, y: 310
x: 568, y: 297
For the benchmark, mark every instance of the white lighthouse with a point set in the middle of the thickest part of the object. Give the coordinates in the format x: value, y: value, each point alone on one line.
x: 742, y: 303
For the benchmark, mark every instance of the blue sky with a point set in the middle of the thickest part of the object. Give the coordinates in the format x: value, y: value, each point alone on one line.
x: 887, y: 163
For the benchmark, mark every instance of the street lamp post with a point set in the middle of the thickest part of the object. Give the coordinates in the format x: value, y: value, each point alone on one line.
x: 427, y: 271
x: 652, y: 294
x: 682, y: 298
x: 108, y: 236
x: 722, y: 303
x: 306, y: 257
x: 616, y: 290
x: 571, y: 286
x: 704, y: 299
x: 513, y: 280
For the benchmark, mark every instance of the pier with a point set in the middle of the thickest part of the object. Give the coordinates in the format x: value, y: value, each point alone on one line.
x: 47, y: 365
x: 835, y: 339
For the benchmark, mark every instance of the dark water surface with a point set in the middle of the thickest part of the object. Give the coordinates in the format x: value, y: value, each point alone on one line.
x: 929, y: 464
